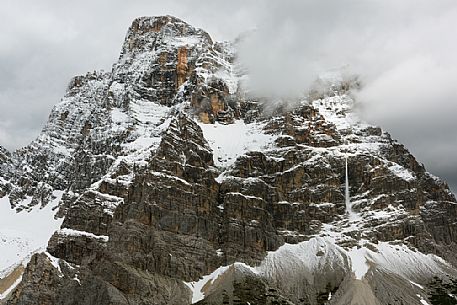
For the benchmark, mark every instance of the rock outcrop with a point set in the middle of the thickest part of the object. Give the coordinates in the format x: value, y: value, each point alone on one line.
x: 5, y: 165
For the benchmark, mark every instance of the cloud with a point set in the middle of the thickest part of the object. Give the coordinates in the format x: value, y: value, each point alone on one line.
x: 404, y: 52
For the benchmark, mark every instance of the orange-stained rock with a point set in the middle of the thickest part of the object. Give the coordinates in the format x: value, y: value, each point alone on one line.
x: 216, y: 104
x: 181, y: 67
x: 204, y: 117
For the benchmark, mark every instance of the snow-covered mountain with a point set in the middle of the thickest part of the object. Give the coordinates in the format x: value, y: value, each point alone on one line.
x: 163, y: 182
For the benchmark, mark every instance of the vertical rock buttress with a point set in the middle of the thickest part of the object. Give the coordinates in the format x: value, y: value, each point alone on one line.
x: 181, y: 67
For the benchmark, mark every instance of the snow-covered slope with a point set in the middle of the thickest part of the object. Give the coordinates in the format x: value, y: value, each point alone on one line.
x: 320, y: 259
x: 24, y: 233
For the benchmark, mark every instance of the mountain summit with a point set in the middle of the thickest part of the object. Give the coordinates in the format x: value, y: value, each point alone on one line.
x: 163, y: 182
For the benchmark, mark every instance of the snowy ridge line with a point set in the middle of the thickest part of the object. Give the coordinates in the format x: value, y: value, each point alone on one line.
x: 109, y: 202
x: 55, y: 262
x: 308, y: 259
x: 76, y: 233
x: 244, y: 195
x: 198, y: 287
x: 168, y: 176
x: 105, y: 195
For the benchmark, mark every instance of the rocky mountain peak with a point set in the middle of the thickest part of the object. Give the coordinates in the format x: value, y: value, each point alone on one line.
x: 144, y: 31
x: 162, y: 182
x: 158, y: 55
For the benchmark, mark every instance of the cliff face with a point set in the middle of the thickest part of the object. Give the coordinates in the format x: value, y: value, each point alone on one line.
x: 172, y: 187
x: 5, y: 164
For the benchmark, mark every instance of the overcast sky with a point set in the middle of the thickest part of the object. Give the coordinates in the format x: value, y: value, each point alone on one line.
x: 404, y: 51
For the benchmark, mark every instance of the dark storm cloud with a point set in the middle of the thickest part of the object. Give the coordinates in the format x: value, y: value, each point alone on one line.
x: 403, y: 50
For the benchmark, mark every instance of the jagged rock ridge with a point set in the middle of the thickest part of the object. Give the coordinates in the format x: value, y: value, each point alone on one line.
x: 176, y: 188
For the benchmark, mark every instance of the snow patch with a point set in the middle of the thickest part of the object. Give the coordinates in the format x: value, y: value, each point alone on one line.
x: 118, y: 116
x: 233, y: 140
x: 185, y: 41
x: 77, y: 279
x: 207, y: 280
x: 358, y: 262
x: 71, y: 232
x: 402, y: 172
x: 422, y: 300
x: 417, y: 285
x: 336, y: 109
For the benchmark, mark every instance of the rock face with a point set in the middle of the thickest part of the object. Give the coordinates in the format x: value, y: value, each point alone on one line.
x: 179, y: 189
x: 5, y: 165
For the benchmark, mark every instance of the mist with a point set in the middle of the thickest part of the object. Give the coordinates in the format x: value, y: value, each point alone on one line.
x: 403, y: 52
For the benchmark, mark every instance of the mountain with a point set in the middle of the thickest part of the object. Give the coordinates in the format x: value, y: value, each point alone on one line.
x: 163, y: 182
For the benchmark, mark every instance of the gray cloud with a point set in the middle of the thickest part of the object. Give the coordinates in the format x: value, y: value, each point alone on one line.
x: 403, y: 50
